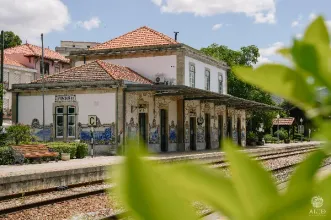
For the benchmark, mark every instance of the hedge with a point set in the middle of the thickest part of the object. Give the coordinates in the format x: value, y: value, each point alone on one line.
x: 76, y: 150
x: 6, y: 156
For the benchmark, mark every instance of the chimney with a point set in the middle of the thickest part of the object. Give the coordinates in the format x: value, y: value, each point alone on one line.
x: 176, y: 33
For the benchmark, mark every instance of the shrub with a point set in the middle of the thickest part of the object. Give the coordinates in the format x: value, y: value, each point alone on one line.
x: 63, y: 147
x: 298, y: 136
x: 82, y: 150
x: 282, y: 134
x: 6, y: 156
x: 268, y: 138
x: 251, y: 136
x: 19, y: 133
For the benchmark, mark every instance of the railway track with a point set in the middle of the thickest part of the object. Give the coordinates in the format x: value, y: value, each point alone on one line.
x: 218, y: 164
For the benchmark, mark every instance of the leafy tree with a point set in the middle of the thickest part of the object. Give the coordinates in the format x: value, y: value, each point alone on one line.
x: 11, y: 39
x: 246, y: 56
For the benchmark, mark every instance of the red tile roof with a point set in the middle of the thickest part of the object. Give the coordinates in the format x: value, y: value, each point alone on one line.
x: 143, y: 36
x: 33, y: 50
x: 283, y: 121
x: 8, y: 61
x: 96, y: 71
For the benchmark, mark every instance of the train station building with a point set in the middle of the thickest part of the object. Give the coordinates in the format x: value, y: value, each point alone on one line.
x: 142, y: 85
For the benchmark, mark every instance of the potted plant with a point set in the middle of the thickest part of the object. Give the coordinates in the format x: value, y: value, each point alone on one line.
x: 251, y: 139
x: 65, y: 156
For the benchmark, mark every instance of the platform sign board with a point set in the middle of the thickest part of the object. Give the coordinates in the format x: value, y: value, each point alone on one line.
x: 301, y: 129
x: 92, y: 120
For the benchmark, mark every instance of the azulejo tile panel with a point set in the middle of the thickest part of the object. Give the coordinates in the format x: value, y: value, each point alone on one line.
x: 132, y: 129
x: 104, y: 134
x: 200, y: 134
x: 173, y: 132
x: 39, y: 133
x: 154, y: 133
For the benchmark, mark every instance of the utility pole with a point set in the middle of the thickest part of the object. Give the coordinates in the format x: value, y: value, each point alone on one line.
x: 43, y: 82
x: 1, y: 77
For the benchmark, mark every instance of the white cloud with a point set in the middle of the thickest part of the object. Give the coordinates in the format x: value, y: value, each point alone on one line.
x: 94, y: 22
x: 216, y: 27
x: 157, y: 2
x: 298, y: 36
x: 268, y: 53
x: 29, y: 19
x: 262, y: 11
x: 297, y: 22
x: 312, y: 16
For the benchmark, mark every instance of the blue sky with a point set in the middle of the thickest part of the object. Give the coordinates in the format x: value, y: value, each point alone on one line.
x: 239, y: 22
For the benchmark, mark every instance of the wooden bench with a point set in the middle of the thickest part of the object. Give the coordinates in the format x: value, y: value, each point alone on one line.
x: 37, y: 152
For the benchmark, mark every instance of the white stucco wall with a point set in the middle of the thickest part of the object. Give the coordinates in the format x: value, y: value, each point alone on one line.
x: 30, y: 107
x: 148, y: 67
x: 200, y: 75
x: 102, y: 105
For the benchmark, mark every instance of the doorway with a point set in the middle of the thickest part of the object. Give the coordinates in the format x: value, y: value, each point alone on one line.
x: 193, y: 131
x: 143, y: 128
x: 164, y: 133
x: 207, y: 131
x: 229, y: 128
x: 220, y: 130
x: 239, y: 131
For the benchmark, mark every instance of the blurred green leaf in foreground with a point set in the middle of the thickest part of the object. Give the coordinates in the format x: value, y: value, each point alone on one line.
x: 166, y: 191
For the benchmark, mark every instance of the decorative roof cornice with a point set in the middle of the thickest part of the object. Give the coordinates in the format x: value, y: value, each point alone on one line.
x: 67, y: 85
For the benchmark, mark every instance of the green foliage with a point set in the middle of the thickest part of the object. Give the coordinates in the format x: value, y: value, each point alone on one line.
x: 246, y: 56
x: 268, y: 138
x: 157, y: 191
x: 249, y: 194
x: 11, y: 39
x: 6, y: 156
x: 251, y: 136
x: 19, y: 133
x: 62, y: 147
x: 82, y: 150
x: 282, y: 134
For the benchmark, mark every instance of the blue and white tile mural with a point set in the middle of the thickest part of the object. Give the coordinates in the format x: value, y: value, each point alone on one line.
x: 154, y: 133
x: 132, y: 129
x: 39, y: 133
x: 234, y: 135
x: 201, y: 134
x: 104, y: 134
x: 187, y: 132
x: 173, y: 133
x: 214, y: 133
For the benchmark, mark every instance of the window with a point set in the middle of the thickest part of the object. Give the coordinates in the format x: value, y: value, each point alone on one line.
x: 192, y: 75
x: 207, y: 79
x: 46, y: 68
x: 59, y: 122
x: 71, y: 121
x: 88, y: 46
x: 57, y: 69
x: 220, y: 83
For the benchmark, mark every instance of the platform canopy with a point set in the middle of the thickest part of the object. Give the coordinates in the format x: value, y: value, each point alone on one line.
x: 283, y: 121
x: 189, y: 93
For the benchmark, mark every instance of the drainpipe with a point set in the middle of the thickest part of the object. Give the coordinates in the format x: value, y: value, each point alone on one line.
x: 124, y: 119
x: 116, y: 125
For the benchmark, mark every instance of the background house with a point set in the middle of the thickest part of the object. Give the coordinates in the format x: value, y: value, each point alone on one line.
x: 30, y: 56
x: 14, y: 73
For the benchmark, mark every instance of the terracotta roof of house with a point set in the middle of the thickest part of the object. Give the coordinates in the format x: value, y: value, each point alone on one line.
x: 283, y: 121
x: 33, y: 50
x: 140, y: 37
x: 96, y: 71
x: 9, y: 61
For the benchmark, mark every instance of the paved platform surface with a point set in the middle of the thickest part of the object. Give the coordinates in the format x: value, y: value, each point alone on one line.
x: 16, y: 170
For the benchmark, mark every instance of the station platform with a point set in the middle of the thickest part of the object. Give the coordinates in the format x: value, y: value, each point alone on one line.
x: 18, y: 178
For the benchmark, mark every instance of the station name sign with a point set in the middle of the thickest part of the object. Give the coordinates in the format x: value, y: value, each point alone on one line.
x: 65, y: 98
